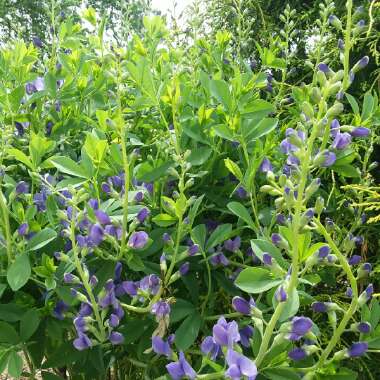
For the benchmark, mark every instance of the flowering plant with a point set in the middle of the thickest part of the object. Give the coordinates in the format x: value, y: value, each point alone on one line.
x: 173, y: 218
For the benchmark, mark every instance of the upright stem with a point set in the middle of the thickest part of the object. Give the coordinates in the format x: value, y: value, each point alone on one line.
x: 6, y: 226
x: 85, y: 280
x: 354, y: 303
x: 347, y: 45
x: 296, y: 224
x: 126, y: 191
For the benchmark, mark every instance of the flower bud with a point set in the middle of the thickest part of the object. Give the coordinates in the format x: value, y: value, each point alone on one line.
x: 335, y: 110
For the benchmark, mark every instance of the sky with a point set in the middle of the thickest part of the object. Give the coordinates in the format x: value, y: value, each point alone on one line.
x: 164, y: 5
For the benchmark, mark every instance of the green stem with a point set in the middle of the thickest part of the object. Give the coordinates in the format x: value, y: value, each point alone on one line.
x: 347, y: 45
x: 85, y: 280
x: 211, y: 376
x: 126, y: 191
x: 354, y: 303
x: 216, y: 317
x: 176, y: 249
x: 6, y: 226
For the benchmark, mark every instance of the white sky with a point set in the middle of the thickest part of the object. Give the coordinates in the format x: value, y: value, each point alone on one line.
x: 165, y: 5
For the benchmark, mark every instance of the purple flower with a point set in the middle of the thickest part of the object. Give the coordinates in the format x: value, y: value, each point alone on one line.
x: 266, y: 166
x: 130, y: 288
x: 80, y: 324
x: 299, y: 327
x: 149, y: 187
x: 22, y: 187
x: 319, y: 307
x: 118, y: 270
x: 219, y: 259
x: 138, y: 240
x: 184, y: 268
x: 37, y: 42
x: 161, y: 347
x: 160, y: 309
x: 329, y: 159
x: 40, y: 199
x: 241, y: 192
x: 139, y: 196
x: 178, y: 370
x: 341, y: 141
x: 357, y: 349
x: 334, y: 128
x: 60, y: 309
x: 360, y: 132
x: 276, y: 239
x: 102, y: 217
x: 267, y: 259
x: 193, y: 249
x: 354, y: 260
x: 113, y: 320
x: 106, y: 187
x: 323, y: 252
x: 210, y: 348
x: 232, y: 245
x: 297, y: 354
x: 226, y: 333
x: 349, y: 292
x: 23, y: 229
x: 324, y: 68
x: 246, y: 334
x: 280, y: 294
x: 116, y: 338
x: 69, y: 278
x: 363, y: 62
x: 242, y: 306
x: 142, y: 215
x: 96, y: 234
x: 82, y: 342
x: 364, y: 327
x: 240, y: 366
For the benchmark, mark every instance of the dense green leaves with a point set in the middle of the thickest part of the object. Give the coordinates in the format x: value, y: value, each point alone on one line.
x: 256, y: 280
x: 19, y: 272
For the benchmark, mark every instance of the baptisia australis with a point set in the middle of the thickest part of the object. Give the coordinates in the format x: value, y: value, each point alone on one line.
x: 313, y: 147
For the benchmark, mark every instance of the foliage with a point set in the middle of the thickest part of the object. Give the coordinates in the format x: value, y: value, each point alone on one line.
x: 170, y: 211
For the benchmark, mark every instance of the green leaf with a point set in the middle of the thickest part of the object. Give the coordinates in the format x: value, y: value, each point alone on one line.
x: 2, y: 289
x: 199, y: 156
x: 261, y: 128
x: 374, y: 344
x: 259, y: 246
x: 281, y: 373
x: 68, y: 166
x: 20, y: 156
x: 234, y: 169
x: 8, y: 334
x: 348, y: 171
x: 150, y: 174
x: 164, y: 220
x: 368, y: 106
x: 180, y: 310
x: 223, y: 131
x: 257, y: 108
x: 188, y: 331
x: 353, y: 103
x: 256, y: 280
x: 15, y: 364
x: 50, y: 84
x: 239, y: 210
x: 220, y: 234
x: 198, y: 235
x: 219, y: 90
x: 19, y: 272
x: 50, y: 376
x: 40, y: 239
x: 29, y: 324
x: 291, y: 306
